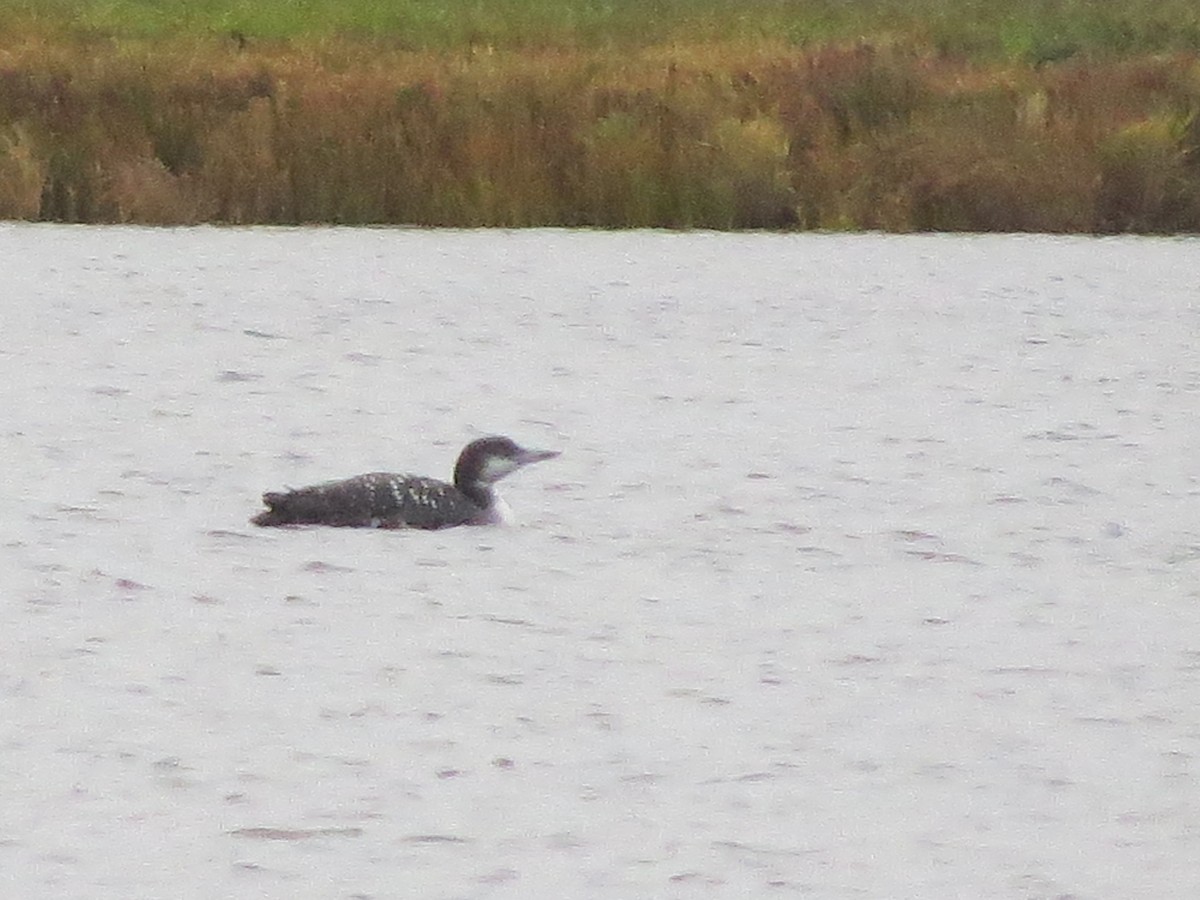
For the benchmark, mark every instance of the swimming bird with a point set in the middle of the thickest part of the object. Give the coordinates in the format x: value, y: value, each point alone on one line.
x: 386, y: 500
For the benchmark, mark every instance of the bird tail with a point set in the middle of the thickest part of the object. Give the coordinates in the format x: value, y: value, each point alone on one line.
x: 276, y: 512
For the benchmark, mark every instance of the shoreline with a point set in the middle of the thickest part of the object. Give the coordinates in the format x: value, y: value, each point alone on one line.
x: 887, y: 135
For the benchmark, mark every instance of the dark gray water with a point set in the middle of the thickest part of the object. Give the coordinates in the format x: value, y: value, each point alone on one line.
x: 869, y: 568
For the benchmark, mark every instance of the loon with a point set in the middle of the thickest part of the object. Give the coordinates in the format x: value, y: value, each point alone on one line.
x: 385, y: 500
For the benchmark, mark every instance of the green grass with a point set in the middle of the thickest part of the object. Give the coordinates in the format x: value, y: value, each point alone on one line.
x: 1036, y: 31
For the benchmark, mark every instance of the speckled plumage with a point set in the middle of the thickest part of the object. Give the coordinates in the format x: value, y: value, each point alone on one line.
x: 386, y: 500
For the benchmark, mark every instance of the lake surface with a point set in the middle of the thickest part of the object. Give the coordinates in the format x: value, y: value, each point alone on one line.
x: 870, y: 569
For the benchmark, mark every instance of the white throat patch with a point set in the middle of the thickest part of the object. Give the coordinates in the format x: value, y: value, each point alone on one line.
x: 500, y: 513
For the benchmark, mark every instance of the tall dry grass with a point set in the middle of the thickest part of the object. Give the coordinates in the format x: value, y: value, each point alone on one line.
x: 894, y: 136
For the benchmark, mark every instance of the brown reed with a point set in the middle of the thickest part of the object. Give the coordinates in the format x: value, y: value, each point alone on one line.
x: 893, y: 136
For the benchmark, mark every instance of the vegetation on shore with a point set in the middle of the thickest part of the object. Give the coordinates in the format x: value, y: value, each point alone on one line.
x: 1026, y: 115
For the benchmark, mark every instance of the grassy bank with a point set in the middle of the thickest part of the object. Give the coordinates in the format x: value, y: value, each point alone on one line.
x: 1024, y: 115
